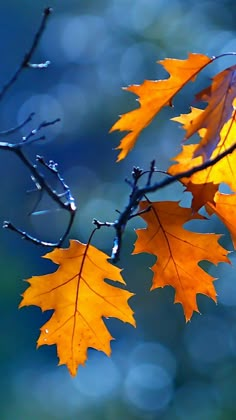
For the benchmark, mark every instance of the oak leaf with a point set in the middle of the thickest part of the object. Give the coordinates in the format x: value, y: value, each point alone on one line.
x: 220, y: 96
x: 179, y: 252
x: 80, y: 298
x: 154, y: 95
x: 202, y: 194
x: 224, y: 207
x: 204, y: 184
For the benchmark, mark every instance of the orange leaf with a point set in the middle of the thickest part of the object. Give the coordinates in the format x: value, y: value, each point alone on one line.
x: 179, y: 252
x: 225, y: 208
x: 80, y: 298
x: 222, y: 172
x: 154, y: 95
x: 220, y: 96
x: 202, y: 194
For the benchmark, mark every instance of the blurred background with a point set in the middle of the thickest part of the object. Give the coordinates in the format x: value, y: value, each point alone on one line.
x: 164, y: 369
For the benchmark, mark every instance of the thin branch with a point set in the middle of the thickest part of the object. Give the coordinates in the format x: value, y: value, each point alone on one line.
x: 231, y: 53
x: 189, y: 173
x: 27, y: 58
x: 64, y: 200
x: 137, y: 195
x: 36, y: 130
x: 151, y: 172
x: 52, y: 167
x: 99, y: 224
x: 18, y: 127
x: 27, y: 236
x: 36, y: 174
x: 139, y: 213
x: 39, y: 65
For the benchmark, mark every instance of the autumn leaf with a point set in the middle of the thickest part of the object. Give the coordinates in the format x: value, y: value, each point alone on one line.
x: 205, y: 183
x: 154, y: 95
x: 80, y: 298
x: 220, y: 96
x: 224, y: 207
x: 179, y: 252
x: 202, y: 194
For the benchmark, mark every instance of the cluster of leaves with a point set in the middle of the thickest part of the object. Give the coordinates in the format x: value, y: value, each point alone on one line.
x: 78, y: 292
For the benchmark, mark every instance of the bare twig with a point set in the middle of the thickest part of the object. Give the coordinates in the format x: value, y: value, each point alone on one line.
x: 36, y: 130
x: 27, y: 236
x: 224, y: 55
x: 138, y: 194
x: 18, y: 127
x: 27, y: 58
x: 151, y: 172
x: 64, y: 200
x: 99, y: 224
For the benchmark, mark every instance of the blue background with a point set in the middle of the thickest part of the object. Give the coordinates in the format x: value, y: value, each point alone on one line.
x: 164, y: 369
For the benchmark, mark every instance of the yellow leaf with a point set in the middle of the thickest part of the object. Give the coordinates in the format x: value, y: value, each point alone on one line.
x: 220, y: 96
x: 205, y: 181
x: 80, y: 298
x: 224, y: 207
x: 154, y: 95
x: 202, y: 194
x: 179, y: 252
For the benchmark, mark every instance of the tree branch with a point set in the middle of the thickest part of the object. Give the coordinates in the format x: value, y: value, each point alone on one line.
x: 137, y: 195
x: 18, y: 127
x: 64, y: 200
x: 27, y: 58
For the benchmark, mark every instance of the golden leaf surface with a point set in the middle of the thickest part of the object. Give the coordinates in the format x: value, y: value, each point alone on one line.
x: 220, y: 96
x: 179, y: 252
x: 224, y: 207
x: 154, y: 95
x: 221, y: 172
x: 80, y: 298
x: 202, y: 194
